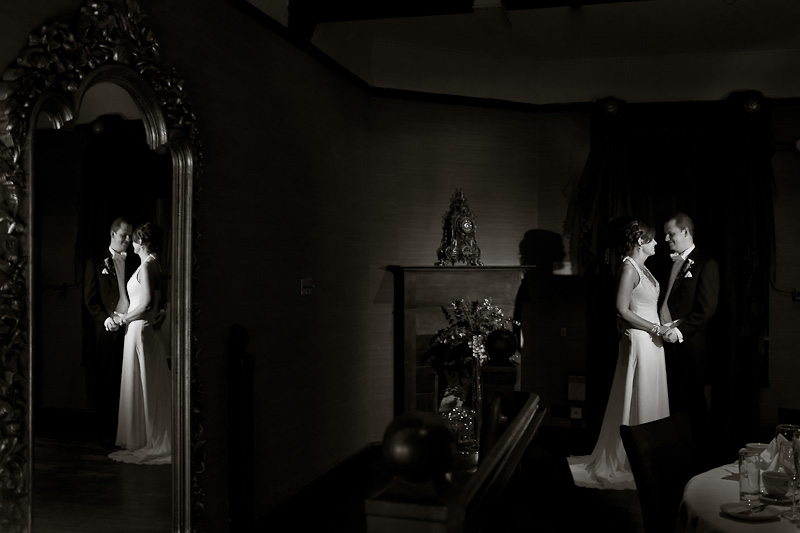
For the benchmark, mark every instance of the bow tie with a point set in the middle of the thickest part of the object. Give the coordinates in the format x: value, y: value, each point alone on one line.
x: 119, y: 254
x: 675, y: 256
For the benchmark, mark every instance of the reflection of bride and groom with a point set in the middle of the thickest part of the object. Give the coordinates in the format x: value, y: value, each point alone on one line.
x: 657, y: 371
x: 128, y: 377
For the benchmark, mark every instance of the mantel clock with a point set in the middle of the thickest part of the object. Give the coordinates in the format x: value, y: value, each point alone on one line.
x: 458, y: 238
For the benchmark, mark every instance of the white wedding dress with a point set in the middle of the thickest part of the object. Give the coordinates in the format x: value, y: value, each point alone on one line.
x: 638, y: 394
x: 145, y: 402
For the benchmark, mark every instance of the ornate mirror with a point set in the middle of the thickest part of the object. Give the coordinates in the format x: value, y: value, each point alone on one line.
x: 108, y: 43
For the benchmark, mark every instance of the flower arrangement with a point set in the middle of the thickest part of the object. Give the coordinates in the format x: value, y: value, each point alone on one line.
x: 476, y: 332
x: 469, y: 326
x: 109, y: 267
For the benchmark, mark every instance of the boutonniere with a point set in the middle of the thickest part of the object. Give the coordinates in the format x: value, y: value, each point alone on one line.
x: 109, y: 269
x: 686, y: 270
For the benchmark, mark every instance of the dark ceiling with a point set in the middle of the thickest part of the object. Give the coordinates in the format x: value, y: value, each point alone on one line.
x: 304, y: 15
x: 553, y: 51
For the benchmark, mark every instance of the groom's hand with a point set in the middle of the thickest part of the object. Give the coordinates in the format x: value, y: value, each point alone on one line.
x: 670, y: 335
x: 110, y: 325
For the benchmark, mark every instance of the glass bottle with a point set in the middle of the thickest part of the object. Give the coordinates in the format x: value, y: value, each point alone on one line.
x: 462, y: 423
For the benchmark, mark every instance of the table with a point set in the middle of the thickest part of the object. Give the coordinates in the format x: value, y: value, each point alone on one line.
x: 705, y: 493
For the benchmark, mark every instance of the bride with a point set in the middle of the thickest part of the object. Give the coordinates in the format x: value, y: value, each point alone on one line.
x: 145, y: 403
x: 639, y: 389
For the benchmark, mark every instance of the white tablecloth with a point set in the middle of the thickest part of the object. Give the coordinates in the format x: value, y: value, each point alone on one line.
x: 706, y: 492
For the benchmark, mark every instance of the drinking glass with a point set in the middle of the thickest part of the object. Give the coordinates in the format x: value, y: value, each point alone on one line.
x: 787, y: 430
x: 790, y: 460
x: 749, y: 479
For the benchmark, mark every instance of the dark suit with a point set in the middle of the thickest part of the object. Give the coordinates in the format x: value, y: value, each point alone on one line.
x: 693, y: 300
x: 102, y: 355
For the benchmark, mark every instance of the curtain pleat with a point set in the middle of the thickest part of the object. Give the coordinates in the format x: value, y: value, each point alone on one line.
x: 711, y: 160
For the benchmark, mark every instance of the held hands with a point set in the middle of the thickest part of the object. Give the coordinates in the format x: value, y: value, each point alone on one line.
x: 668, y: 332
x: 671, y: 335
x: 119, y: 319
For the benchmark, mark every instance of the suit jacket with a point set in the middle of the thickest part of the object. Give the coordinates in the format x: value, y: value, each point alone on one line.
x: 100, y: 286
x: 694, y: 298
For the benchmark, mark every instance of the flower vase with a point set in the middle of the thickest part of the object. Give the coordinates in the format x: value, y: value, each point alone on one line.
x: 461, y: 409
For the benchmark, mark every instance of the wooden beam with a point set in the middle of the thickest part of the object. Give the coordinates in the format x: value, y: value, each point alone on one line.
x: 541, y: 4
x: 319, y: 11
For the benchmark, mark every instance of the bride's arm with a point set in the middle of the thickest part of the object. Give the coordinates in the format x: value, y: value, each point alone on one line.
x: 628, y: 279
x: 134, y: 313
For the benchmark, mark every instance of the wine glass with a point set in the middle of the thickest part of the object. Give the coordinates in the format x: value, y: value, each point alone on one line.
x: 789, y: 461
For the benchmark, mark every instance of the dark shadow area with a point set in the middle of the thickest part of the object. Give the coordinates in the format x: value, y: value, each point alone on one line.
x: 551, y: 308
x: 79, y: 489
x: 540, y: 496
x: 335, y: 501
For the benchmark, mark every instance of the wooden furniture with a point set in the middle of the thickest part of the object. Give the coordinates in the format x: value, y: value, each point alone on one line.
x: 663, y: 457
x: 401, y: 506
x: 420, y: 293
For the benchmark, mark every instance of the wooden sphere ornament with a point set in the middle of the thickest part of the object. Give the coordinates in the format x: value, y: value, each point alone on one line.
x: 418, y: 446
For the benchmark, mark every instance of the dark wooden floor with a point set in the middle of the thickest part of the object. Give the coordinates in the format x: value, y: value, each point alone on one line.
x: 78, y: 489
x: 543, y: 498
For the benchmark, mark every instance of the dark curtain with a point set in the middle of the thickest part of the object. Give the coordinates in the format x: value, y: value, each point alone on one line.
x: 602, y: 195
x: 711, y: 160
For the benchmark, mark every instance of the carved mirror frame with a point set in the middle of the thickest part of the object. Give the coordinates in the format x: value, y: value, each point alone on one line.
x: 108, y: 41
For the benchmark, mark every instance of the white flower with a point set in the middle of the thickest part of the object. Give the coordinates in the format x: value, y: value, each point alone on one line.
x: 478, y: 349
x: 687, y: 266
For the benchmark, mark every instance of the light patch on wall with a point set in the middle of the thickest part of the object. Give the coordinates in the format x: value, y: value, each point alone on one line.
x: 276, y: 9
x: 107, y: 99
x: 562, y: 269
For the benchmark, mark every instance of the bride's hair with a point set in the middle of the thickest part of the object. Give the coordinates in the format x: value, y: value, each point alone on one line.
x: 151, y: 235
x: 634, y: 233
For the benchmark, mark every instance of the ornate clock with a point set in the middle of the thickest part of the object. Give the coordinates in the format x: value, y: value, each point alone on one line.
x: 458, y: 238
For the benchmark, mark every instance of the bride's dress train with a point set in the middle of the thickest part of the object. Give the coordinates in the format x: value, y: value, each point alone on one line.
x: 638, y: 395
x: 145, y: 403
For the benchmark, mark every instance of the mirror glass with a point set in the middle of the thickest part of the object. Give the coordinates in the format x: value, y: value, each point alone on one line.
x: 85, y: 175
x: 92, y: 126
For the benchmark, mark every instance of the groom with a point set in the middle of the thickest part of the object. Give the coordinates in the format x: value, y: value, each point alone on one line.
x: 690, y: 300
x: 104, y: 293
